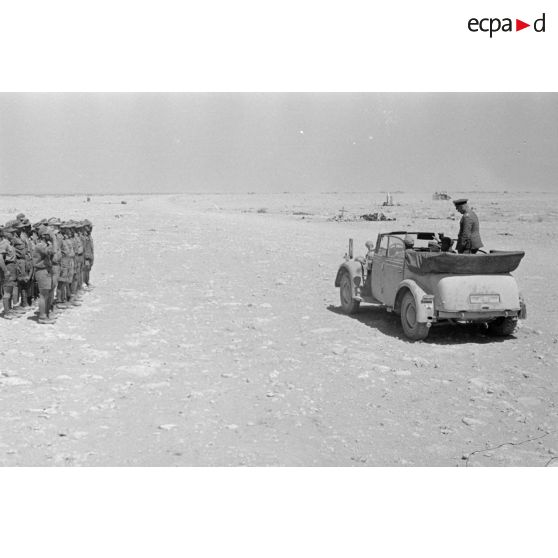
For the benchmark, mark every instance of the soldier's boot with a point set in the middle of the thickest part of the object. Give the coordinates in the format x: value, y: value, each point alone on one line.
x: 6, y: 299
x: 87, y: 286
x: 15, y: 295
x: 43, y: 308
x: 63, y: 289
x: 8, y: 314
x: 24, y: 299
x: 22, y: 308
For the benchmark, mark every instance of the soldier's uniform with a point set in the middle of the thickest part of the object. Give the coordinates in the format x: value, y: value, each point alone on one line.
x: 80, y: 259
x: 9, y: 272
x: 88, y: 251
x: 56, y: 258
x: 21, y: 249
x: 29, y: 244
x: 71, y: 234
x: 468, y: 240
x: 66, y: 266
x: 42, y: 264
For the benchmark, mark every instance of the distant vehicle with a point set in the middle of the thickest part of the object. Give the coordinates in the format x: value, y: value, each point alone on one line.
x: 426, y: 287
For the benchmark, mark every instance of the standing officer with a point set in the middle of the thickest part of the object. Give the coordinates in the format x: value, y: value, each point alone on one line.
x: 469, y: 240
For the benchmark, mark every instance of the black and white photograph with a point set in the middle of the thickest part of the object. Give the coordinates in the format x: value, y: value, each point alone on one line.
x: 278, y: 279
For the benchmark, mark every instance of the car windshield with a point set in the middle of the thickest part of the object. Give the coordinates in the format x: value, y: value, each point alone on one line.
x: 418, y: 242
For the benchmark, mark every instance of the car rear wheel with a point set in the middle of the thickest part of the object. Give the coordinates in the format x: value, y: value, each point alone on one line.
x: 412, y: 329
x: 348, y: 304
x: 501, y: 327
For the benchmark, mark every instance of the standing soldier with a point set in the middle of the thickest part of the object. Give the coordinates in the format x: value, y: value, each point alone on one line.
x: 71, y: 235
x: 42, y: 264
x: 469, y: 240
x: 8, y: 268
x: 23, y: 274
x: 54, y: 224
x: 88, y: 252
x: 25, y: 235
x: 66, y: 267
x: 80, y: 257
x: 34, y: 237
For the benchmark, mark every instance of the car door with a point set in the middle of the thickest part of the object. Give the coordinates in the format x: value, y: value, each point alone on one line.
x: 393, y: 269
x: 378, y: 265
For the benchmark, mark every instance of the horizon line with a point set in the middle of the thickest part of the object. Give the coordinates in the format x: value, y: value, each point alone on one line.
x: 251, y: 193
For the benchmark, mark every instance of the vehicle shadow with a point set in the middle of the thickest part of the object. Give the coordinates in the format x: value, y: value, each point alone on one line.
x: 389, y: 323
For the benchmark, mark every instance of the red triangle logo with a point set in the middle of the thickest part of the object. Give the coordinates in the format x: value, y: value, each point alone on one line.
x: 519, y: 25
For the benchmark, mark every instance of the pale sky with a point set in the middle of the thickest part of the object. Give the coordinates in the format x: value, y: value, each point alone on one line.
x: 315, y: 142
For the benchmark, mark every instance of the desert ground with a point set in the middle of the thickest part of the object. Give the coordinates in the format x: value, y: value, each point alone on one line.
x: 213, y: 337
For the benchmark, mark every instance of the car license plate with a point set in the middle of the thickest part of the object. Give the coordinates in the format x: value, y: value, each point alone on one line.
x: 484, y: 299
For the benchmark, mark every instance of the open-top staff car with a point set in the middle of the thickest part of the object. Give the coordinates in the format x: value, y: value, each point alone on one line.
x: 402, y: 273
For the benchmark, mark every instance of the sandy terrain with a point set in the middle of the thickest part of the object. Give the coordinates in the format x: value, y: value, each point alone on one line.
x: 214, y: 337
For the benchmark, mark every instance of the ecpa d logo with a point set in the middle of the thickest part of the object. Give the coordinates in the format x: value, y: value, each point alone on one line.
x: 493, y: 25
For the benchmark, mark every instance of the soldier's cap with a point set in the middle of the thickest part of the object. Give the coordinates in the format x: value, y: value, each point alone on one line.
x: 54, y: 221
x: 409, y: 240
x: 460, y: 201
x: 42, y: 230
x: 20, y: 216
x: 43, y: 221
x: 87, y: 223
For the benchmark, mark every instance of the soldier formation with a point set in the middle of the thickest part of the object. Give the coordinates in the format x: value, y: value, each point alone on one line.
x: 48, y: 263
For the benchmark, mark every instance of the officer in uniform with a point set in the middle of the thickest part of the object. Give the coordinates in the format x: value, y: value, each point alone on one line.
x: 468, y: 240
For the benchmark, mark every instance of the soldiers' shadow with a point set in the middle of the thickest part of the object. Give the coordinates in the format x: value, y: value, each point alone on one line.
x: 388, y: 323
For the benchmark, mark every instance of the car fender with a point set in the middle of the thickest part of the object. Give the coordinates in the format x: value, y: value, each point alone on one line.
x: 354, y: 269
x: 424, y: 301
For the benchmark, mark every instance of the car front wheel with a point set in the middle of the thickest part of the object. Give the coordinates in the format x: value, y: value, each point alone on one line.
x: 348, y: 304
x: 412, y: 329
